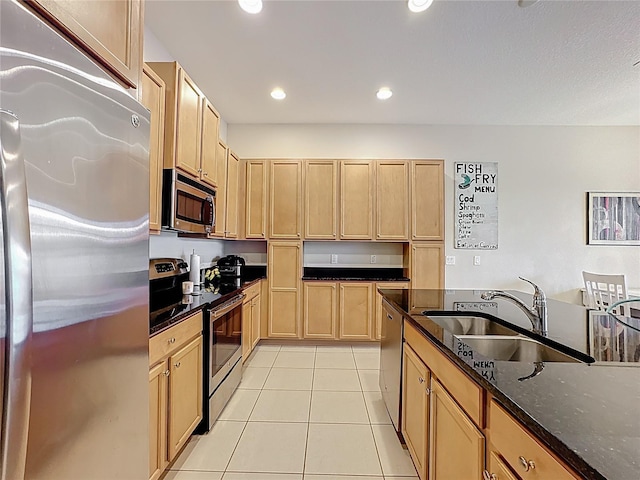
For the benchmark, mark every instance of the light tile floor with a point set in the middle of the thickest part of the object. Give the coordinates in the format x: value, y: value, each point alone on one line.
x: 301, y: 413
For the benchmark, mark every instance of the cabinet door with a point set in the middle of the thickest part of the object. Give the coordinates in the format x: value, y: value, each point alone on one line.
x: 256, y: 199
x: 246, y: 330
x: 231, y: 221
x: 392, y: 200
x: 221, y: 192
x: 378, y: 301
x: 284, y: 266
x: 416, y: 379
x: 109, y: 31
x: 356, y: 311
x: 498, y: 470
x: 256, y: 314
x: 185, y: 394
x: 457, y: 446
x: 285, y: 191
x: 356, y: 200
x: 158, y: 385
x: 427, y: 265
x: 427, y: 205
x: 153, y: 92
x: 320, y: 311
x: 210, y: 126
x: 321, y: 199
x: 189, y: 128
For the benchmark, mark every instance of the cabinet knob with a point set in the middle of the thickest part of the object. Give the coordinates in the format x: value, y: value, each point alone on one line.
x: 489, y: 476
x: 526, y: 464
x: 172, y: 340
x: 177, y: 365
x: 199, y: 170
x: 428, y: 391
x: 421, y: 380
x: 166, y: 373
x: 206, y: 174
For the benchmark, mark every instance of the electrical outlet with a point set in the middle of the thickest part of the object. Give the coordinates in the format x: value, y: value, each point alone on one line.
x: 451, y: 260
x: 476, y: 260
x: 373, y: 259
x: 334, y: 258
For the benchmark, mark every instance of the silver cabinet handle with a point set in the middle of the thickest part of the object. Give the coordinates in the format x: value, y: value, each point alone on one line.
x: 177, y: 365
x: 166, y: 373
x: 428, y: 391
x: 389, y: 317
x: 526, y: 464
x: 172, y: 340
x: 206, y: 174
x: 489, y: 476
x: 421, y: 380
x: 19, y: 298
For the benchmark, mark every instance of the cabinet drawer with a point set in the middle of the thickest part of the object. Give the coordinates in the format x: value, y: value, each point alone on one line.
x: 466, y: 392
x: 517, y: 447
x: 251, y: 291
x: 170, y: 340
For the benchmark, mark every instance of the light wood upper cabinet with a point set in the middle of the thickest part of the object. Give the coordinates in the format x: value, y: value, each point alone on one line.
x: 427, y: 265
x: 158, y: 387
x: 356, y: 199
x: 256, y: 199
x: 153, y: 95
x: 427, y: 205
x: 392, y: 200
x: 356, y: 311
x: 285, y: 202
x: 110, y: 31
x: 221, y: 192
x: 189, y: 129
x: 457, y: 446
x: 320, y: 310
x: 285, y: 270
x: 231, y: 220
x: 210, y: 126
x: 416, y: 379
x: 321, y: 199
x: 185, y: 394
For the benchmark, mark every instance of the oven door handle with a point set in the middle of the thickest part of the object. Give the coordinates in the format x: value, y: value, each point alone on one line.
x: 227, y: 306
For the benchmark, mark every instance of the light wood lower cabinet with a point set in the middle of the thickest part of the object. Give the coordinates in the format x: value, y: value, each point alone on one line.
x: 457, y: 445
x: 416, y: 378
x: 320, y: 309
x: 285, y: 271
x: 356, y: 311
x: 498, y: 470
x: 250, y: 320
x: 185, y: 394
x: 175, y: 390
x: 158, y: 387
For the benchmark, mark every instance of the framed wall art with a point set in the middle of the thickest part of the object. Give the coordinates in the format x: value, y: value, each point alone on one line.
x: 613, y: 218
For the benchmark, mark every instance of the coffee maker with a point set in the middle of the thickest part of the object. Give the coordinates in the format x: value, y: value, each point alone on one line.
x: 231, y: 269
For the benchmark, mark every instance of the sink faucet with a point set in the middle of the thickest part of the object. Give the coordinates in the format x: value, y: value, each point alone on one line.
x: 536, y: 314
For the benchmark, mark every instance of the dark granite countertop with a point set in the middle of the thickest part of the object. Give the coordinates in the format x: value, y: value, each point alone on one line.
x: 588, y: 414
x: 191, y: 304
x: 354, y: 274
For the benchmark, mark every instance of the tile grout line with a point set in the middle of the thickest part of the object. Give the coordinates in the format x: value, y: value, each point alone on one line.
x: 306, y: 441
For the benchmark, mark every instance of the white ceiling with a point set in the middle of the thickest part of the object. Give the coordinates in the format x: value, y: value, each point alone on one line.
x: 460, y: 62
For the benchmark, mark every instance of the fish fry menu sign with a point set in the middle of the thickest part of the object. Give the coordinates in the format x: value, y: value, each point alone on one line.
x: 476, y: 205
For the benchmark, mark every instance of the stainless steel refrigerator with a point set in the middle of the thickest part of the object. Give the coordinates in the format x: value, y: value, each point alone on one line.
x: 74, y: 291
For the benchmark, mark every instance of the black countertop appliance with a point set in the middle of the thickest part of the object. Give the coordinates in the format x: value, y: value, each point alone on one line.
x: 231, y: 269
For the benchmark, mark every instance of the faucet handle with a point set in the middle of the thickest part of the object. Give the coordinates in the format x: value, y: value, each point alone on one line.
x: 537, y: 290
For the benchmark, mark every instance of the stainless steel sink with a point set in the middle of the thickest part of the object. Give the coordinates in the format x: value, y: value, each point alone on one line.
x: 514, y: 349
x: 470, y: 325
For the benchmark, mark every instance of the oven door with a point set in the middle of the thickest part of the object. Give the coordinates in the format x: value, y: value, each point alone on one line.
x: 225, y: 342
x: 188, y: 206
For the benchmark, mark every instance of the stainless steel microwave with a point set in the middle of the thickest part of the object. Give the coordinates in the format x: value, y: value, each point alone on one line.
x: 187, y: 206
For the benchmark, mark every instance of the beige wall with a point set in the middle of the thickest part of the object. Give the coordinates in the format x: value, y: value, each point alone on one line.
x: 544, y: 175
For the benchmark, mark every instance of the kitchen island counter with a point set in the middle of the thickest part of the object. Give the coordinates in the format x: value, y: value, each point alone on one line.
x: 587, y: 414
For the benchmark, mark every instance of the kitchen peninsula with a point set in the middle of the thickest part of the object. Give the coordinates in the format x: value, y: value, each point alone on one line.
x: 581, y: 419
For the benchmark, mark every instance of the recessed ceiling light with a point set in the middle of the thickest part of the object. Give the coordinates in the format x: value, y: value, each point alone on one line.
x: 384, y: 93
x: 251, y: 6
x: 278, y: 94
x: 419, y: 5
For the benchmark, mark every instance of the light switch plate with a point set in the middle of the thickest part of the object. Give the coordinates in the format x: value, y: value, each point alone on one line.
x: 451, y: 260
x: 476, y: 260
x: 334, y: 258
x: 373, y: 259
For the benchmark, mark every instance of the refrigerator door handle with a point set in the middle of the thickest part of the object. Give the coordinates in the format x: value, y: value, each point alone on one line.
x: 18, y: 297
